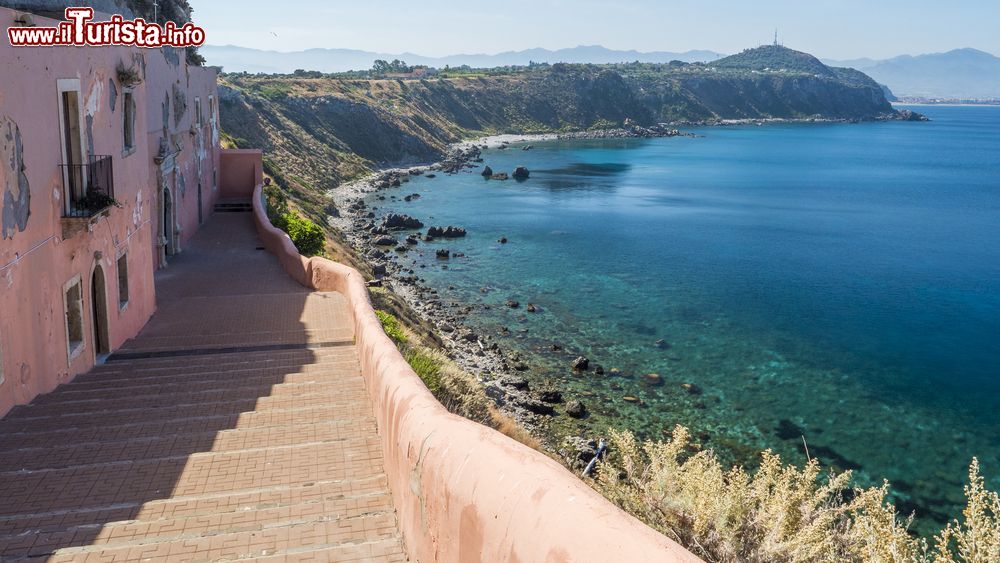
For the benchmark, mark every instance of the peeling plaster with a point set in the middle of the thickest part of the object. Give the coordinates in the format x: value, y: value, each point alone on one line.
x: 181, y: 184
x: 90, y: 134
x: 94, y: 97
x: 171, y: 55
x: 164, y: 137
x: 112, y: 94
x: 137, y: 210
x: 180, y: 104
x: 16, y: 191
x: 90, y: 110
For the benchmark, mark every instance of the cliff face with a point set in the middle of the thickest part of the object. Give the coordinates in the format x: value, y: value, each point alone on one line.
x: 325, y: 130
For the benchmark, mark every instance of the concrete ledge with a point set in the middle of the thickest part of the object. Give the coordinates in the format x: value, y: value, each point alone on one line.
x: 462, y: 491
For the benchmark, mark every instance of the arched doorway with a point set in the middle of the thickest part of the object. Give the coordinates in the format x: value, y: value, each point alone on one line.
x: 168, y: 224
x: 99, y: 313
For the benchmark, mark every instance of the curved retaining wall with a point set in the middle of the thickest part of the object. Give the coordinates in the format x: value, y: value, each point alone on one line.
x: 462, y: 491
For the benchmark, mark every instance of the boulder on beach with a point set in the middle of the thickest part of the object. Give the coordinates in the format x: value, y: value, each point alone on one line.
x: 446, y: 232
x: 396, y: 221
x: 576, y: 409
x: 550, y: 396
x: 385, y: 241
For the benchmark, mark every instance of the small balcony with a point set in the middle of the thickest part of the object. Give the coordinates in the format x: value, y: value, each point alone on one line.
x: 89, y: 188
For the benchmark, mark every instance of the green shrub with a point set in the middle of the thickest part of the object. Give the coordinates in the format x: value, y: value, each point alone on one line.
x: 392, y: 327
x: 307, y: 236
x: 427, y: 367
x: 276, y: 204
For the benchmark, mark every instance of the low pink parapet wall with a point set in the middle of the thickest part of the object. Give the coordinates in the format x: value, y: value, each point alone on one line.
x: 239, y: 171
x: 464, y: 492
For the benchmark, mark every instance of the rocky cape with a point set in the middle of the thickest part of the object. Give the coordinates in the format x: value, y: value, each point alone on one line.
x: 323, y: 131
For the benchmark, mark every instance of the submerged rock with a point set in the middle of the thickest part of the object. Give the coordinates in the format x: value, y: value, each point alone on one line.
x: 581, y: 363
x: 691, y: 388
x: 653, y: 379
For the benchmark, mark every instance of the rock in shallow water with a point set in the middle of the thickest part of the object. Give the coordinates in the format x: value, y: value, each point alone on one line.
x: 576, y: 409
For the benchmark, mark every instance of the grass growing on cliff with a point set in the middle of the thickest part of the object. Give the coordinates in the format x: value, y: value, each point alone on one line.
x: 392, y: 327
x: 781, y: 512
x: 459, y: 391
x: 308, y: 237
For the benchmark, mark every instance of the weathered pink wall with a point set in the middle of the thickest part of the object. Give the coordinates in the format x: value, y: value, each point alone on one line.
x: 36, y: 261
x: 464, y: 492
x: 242, y: 169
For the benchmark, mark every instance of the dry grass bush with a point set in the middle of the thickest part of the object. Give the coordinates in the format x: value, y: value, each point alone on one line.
x: 780, y: 512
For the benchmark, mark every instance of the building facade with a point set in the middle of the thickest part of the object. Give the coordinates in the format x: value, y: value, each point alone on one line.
x: 109, y: 162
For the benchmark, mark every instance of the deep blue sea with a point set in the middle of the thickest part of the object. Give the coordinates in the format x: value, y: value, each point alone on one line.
x: 839, y: 282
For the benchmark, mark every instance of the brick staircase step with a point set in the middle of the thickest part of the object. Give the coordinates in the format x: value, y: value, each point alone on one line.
x: 193, y: 384
x: 213, y: 362
x: 21, y: 420
x: 206, y: 380
x: 27, y: 434
x: 143, y: 480
x: 257, y: 541
x: 73, y: 403
x: 366, y: 491
x: 63, y: 455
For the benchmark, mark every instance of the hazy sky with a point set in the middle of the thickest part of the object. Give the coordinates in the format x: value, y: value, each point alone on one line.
x: 838, y: 29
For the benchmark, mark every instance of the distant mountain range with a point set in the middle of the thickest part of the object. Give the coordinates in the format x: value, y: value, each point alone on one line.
x: 237, y: 59
x: 961, y: 74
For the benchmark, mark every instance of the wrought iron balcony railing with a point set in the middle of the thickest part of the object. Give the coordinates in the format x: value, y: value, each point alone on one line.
x: 89, y: 188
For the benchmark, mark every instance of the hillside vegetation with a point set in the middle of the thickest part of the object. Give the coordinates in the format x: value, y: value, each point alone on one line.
x: 325, y: 129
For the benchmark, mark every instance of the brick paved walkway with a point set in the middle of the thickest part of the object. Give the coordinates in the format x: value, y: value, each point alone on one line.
x: 235, y: 426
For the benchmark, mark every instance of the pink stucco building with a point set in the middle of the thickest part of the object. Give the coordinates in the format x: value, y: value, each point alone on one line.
x: 80, y: 127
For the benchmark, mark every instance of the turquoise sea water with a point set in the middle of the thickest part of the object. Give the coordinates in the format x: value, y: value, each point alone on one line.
x: 840, y: 282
